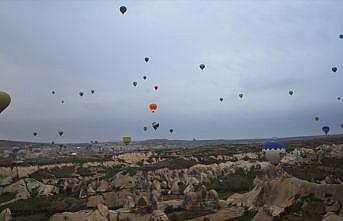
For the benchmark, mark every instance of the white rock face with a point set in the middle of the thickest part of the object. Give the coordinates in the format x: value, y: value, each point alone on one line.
x: 6, y: 215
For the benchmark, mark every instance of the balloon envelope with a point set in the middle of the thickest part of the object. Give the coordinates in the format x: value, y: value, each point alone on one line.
x: 241, y: 95
x: 123, y: 9
x: 5, y: 100
x: 146, y: 59
x: 341, y: 36
x: 134, y: 83
x: 153, y: 107
x: 155, y: 125
x: 144, y: 77
x: 326, y: 129
x: 126, y: 140
x: 171, y: 130
x: 202, y: 66
x: 60, y: 133
x: 334, y: 69
x: 221, y: 99
x: 291, y: 92
x: 273, y: 151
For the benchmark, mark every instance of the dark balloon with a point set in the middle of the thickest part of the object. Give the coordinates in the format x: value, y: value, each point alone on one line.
x: 123, y: 9
x: 146, y: 59
x: 81, y: 94
x: 156, y: 87
x: 221, y: 99
x: 53, y: 92
x: 35, y: 133
x: 334, y: 69
x: 92, y: 91
x: 291, y: 92
x: 62, y: 102
x: 341, y: 36
x: 155, y: 125
x: 5, y: 100
x: 339, y: 98
x: 145, y: 128
x: 316, y: 118
x: 241, y: 95
x: 171, y: 131
x: 144, y: 77
x: 202, y: 66
x: 326, y: 129
x: 134, y: 83
x: 60, y: 133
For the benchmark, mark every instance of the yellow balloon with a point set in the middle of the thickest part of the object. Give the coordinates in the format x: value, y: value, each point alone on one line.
x: 126, y: 140
x: 5, y: 100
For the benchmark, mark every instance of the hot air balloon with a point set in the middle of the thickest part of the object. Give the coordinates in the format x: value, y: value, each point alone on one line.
x: 81, y: 94
x: 171, y: 130
x: 126, y: 140
x: 241, y: 95
x: 35, y: 134
x: 134, y: 83
x: 92, y: 91
x: 334, y: 69
x: 5, y: 100
x: 339, y: 98
x: 291, y: 92
x: 341, y: 36
x: 341, y: 125
x: 316, y: 118
x: 60, y: 133
x: 202, y: 66
x: 326, y: 129
x: 123, y: 9
x: 153, y: 107
x: 144, y: 77
x: 155, y: 87
x: 221, y: 99
x: 53, y: 92
x: 62, y: 102
x: 273, y: 151
x: 146, y: 59
x: 155, y: 125
x: 145, y: 128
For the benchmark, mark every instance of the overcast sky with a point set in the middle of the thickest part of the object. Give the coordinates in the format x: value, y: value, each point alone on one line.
x: 261, y: 48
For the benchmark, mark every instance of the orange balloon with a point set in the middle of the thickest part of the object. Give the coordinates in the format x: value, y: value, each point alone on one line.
x: 153, y: 107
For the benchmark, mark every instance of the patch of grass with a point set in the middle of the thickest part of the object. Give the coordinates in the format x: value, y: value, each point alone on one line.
x: 45, y: 205
x: 62, y: 172
x: 247, y: 216
x: 41, y: 174
x: 84, y: 171
x: 310, y: 173
x: 187, y: 215
x: 172, y: 164
x: 239, y: 182
x: 7, y: 197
